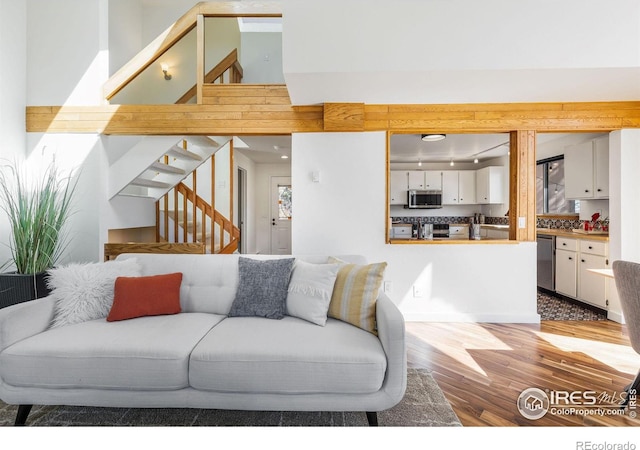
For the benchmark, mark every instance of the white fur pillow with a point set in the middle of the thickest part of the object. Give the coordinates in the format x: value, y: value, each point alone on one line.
x: 84, y: 292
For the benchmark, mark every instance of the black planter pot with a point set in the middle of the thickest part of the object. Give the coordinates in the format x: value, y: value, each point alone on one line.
x: 17, y: 288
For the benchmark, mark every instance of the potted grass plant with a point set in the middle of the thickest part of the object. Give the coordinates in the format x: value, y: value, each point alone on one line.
x: 37, y: 211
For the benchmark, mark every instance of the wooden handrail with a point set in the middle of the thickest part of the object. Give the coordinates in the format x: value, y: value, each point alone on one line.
x: 229, y: 61
x: 112, y: 250
x: 178, y: 30
x: 207, y: 211
x: 151, y: 53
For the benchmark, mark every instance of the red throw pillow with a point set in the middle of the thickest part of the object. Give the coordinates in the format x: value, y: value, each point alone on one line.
x: 145, y: 296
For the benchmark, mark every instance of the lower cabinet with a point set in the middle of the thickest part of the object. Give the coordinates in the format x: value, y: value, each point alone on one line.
x: 574, y: 258
x: 566, y: 273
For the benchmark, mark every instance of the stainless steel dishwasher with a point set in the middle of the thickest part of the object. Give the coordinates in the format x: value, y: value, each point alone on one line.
x: 546, y: 262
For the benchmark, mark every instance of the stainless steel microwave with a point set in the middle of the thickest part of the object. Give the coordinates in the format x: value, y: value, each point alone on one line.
x: 424, y: 199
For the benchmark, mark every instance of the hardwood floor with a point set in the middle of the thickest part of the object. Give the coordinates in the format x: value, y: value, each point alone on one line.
x: 482, y: 368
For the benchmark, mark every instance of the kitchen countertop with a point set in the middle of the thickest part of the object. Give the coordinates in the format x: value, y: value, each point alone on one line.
x: 452, y: 241
x: 571, y: 234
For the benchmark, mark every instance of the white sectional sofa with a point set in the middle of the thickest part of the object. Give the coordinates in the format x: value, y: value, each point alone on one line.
x: 200, y: 357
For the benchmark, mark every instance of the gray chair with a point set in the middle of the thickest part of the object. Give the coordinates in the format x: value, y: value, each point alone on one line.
x: 627, y: 277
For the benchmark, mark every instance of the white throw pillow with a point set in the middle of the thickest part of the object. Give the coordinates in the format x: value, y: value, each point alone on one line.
x: 310, y: 290
x: 84, y: 292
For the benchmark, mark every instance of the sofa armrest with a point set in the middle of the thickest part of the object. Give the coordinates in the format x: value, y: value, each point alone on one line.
x: 23, y: 320
x: 391, y: 332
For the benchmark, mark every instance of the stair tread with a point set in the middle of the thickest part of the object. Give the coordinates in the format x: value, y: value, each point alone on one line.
x: 145, y: 182
x: 180, y: 153
x: 165, y: 168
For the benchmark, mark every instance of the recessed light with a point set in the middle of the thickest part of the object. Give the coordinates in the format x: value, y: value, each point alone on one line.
x: 433, y: 137
x: 451, y: 163
x: 284, y: 157
x: 475, y: 161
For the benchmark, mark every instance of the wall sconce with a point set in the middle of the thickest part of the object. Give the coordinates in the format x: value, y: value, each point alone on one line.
x: 165, y: 71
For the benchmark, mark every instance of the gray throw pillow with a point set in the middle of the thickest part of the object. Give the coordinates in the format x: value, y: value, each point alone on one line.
x: 262, y: 288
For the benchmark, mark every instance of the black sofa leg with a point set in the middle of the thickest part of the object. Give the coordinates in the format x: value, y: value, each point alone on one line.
x: 23, y: 413
x: 372, y: 418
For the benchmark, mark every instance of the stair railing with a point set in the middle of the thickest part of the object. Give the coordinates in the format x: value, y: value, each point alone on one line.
x: 203, y: 217
x: 229, y: 66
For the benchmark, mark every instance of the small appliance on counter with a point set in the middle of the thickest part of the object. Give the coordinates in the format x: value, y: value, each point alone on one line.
x: 441, y: 231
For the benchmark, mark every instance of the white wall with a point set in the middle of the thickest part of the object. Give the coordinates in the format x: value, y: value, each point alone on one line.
x: 249, y: 237
x: 13, y: 94
x: 262, y: 57
x: 346, y: 213
x: 264, y: 173
x: 67, y: 63
x: 441, y: 52
x: 125, y: 32
x: 67, y: 58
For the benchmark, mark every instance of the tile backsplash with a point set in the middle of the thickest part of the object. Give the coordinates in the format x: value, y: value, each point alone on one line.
x: 559, y: 224
x: 564, y: 224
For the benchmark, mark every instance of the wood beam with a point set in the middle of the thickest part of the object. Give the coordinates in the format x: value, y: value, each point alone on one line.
x: 522, y: 186
x: 267, y: 109
x: 344, y: 117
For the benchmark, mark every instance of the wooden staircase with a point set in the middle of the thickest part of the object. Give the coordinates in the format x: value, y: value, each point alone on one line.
x: 182, y: 216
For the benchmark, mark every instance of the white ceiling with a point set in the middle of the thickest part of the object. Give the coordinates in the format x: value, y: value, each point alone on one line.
x: 404, y: 147
x: 264, y: 149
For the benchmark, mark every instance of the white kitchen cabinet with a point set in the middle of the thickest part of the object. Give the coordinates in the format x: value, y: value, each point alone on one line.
x: 497, y: 234
x: 566, y: 272
x: 592, y: 288
x: 430, y: 180
x: 416, y: 179
x: 433, y: 180
x: 586, y: 169
x: 458, y: 187
x: 489, y: 183
x: 574, y: 258
x: 398, y: 186
x: 601, y: 161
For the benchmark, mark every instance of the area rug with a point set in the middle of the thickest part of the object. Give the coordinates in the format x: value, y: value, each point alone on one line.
x: 551, y: 307
x: 423, y: 405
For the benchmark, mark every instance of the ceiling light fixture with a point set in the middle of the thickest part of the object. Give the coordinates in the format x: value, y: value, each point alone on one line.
x: 451, y: 163
x: 284, y: 157
x: 475, y: 161
x: 433, y: 137
x: 165, y: 71
x: 419, y: 163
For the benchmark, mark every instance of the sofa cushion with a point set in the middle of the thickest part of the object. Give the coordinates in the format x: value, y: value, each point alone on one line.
x: 289, y: 356
x: 145, y: 296
x: 262, y: 289
x: 148, y: 353
x: 310, y: 291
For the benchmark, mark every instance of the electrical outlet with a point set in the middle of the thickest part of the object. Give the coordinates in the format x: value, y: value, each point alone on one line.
x: 417, y: 291
x: 388, y: 287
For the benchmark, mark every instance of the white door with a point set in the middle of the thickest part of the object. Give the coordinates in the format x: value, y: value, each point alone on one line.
x: 281, y: 215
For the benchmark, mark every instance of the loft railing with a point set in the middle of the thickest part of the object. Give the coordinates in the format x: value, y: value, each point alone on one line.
x: 192, y: 19
x: 229, y: 66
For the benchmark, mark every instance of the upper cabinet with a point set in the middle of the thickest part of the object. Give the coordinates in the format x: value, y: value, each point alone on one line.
x: 430, y: 180
x: 433, y: 180
x: 489, y: 185
x: 586, y: 169
x: 458, y: 187
x: 398, y: 186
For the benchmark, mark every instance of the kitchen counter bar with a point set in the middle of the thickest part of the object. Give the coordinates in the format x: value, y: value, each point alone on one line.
x: 452, y: 241
x: 573, y: 235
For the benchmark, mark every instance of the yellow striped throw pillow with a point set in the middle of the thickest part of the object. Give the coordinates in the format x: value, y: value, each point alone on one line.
x: 355, y: 293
